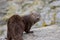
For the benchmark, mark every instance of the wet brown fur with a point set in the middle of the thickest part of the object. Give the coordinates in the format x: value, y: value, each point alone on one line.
x: 15, y: 28
x: 16, y: 25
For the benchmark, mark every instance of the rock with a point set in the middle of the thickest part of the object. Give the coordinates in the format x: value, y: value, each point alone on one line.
x: 55, y: 3
x: 3, y: 5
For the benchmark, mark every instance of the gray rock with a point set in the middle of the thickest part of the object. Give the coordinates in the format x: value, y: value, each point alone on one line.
x: 3, y: 5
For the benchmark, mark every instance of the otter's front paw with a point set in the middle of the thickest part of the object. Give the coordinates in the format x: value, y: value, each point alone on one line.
x: 29, y: 32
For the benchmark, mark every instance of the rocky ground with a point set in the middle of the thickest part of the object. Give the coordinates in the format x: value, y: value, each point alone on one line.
x: 49, y: 10
x: 44, y: 33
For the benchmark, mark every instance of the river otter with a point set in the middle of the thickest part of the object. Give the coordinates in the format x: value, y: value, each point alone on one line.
x: 16, y: 25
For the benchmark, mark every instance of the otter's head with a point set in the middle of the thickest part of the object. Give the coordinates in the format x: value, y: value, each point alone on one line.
x: 35, y: 17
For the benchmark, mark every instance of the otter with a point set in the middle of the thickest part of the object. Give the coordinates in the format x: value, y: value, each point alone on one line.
x: 16, y: 25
